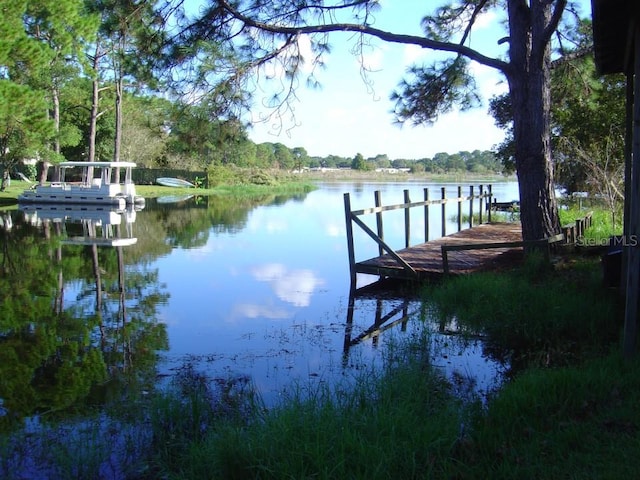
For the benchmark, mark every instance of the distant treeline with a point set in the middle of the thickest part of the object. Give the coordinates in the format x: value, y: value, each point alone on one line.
x: 475, y: 162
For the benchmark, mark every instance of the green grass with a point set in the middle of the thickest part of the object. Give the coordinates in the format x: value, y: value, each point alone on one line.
x: 392, y: 426
x: 575, y: 422
x: 602, y: 223
x: 533, y: 314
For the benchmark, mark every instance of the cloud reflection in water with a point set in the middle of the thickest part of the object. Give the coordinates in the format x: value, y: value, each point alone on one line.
x: 292, y: 286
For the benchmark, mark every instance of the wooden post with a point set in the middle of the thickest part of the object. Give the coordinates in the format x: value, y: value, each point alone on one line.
x: 633, y: 251
x: 579, y: 229
x: 459, y: 208
x: 443, y: 195
x: 470, y: 206
x: 350, y: 249
x: 407, y: 220
x: 445, y: 259
x: 348, y: 328
x: 628, y: 151
x: 490, y: 200
x: 380, y: 229
x: 480, y: 204
x: 426, y: 215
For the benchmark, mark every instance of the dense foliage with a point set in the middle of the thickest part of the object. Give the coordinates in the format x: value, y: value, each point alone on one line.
x: 587, y: 122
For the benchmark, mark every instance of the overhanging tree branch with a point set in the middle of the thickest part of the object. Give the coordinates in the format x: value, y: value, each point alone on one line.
x: 555, y: 20
x: 386, y: 36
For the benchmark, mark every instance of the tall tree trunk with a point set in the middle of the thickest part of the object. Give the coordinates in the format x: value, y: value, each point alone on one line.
x: 529, y: 84
x: 55, y: 95
x: 119, y: 88
x: 95, y: 104
x: 117, y: 141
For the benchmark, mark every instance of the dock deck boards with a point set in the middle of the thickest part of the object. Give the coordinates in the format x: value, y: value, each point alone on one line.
x: 426, y: 258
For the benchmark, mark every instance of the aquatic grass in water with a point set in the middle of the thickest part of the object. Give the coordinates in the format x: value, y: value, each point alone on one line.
x: 360, y: 434
x: 496, y: 216
x: 399, y: 421
x: 89, y: 448
x: 531, y: 315
x: 139, y: 434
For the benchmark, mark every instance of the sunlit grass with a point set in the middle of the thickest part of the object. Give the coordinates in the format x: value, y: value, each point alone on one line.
x: 575, y: 422
x: 391, y: 425
x: 603, y: 225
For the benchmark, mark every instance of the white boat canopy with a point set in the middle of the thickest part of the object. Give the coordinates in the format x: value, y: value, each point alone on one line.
x: 97, y: 164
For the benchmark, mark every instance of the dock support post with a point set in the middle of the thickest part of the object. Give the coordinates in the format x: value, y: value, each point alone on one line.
x: 426, y: 215
x: 470, y: 206
x: 480, y: 204
x: 407, y: 220
x: 378, y: 203
x: 490, y: 200
x: 350, y: 248
x: 443, y: 195
x: 459, y: 208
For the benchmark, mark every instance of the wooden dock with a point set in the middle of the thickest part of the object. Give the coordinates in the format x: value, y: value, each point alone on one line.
x: 483, y: 245
x: 466, y: 251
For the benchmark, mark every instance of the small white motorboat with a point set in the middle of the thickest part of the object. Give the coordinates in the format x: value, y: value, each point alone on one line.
x: 174, y: 182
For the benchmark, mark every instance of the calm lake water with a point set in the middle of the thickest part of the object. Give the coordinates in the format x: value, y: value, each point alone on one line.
x: 256, y: 291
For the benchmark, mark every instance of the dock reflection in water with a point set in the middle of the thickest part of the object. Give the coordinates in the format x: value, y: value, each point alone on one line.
x: 461, y: 356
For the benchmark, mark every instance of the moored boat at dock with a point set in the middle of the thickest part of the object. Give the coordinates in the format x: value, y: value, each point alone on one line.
x: 105, y: 188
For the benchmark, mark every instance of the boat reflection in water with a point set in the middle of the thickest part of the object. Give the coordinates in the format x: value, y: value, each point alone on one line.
x: 102, y: 226
x: 90, y: 226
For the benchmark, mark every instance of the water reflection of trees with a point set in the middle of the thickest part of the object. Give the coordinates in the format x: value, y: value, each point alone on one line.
x: 189, y: 223
x: 56, y: 353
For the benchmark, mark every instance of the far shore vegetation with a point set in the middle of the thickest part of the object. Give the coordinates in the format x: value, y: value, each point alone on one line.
x: 256, y: 182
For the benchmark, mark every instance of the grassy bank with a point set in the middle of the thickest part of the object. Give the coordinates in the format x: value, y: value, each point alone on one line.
x: 384, y: 176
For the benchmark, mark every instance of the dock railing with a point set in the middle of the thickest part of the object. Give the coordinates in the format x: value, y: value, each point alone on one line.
x: 482, y: 197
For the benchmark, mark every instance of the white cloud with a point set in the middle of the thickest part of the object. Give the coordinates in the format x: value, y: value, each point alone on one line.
x: 488, y: 19
x: 372, y: 59
x: 412, y: 53
x: 334, y: 230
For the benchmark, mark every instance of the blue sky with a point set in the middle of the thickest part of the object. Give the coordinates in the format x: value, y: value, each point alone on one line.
x: 346, y: 116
